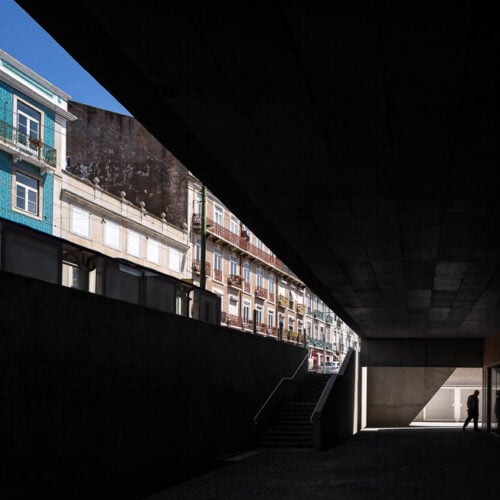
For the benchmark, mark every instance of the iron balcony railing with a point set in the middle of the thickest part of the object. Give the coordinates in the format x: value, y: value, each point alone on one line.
x: 238, y: 240
x: 29, y: 146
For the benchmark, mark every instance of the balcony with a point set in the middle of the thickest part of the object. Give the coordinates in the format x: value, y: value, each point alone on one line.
x: 234, y: 280
x: 196, y: 221
x: 283, y: 301
x: 240, y: 241
x: 196, y: 267
x: 318, y: 315
x: 218, y: 275
x: 301, y: 309
x: 29, y: 148
x: 261, y: 293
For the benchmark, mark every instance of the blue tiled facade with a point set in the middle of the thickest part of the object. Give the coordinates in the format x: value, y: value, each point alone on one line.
x: 46, y: 187
x: 46, y: 192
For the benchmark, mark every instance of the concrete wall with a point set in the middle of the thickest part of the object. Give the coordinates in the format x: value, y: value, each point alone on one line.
x: 337, y: 417
x: 103, y: 396
x: 395, y: 395
x: 492, y: 350
x: 422, y: 352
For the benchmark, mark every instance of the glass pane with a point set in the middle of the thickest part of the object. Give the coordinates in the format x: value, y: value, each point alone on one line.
x: 153, y: 251
x: 160, y: 293
x: 112, y: 234
x: 28, y: 111
x: 122, y: 282
x: 80, y: 221
x: 22, y: 123
x: 27, y: 181
x: 34, y: 129
x: 20, y: 197
x: 133, y: 243
x: 32, y: 202
x: 31, y: 257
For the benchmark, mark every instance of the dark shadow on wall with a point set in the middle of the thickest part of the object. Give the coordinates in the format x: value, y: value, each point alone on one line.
x: 99, y: 395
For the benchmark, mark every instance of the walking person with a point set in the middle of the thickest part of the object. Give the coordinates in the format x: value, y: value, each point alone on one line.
x: 472, y: 410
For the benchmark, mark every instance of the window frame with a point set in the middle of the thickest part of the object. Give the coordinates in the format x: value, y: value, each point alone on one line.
x: 217, y: 259
x: 41, y: 123
x: 178, y: 255
x: 72, y: 230
x: 150, y: 243
x: 39, y: 192
x: 130, y: 235
x: 109, y: 223
x: 218, y: 215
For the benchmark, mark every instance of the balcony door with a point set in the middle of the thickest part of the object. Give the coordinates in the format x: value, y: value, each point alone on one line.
x: 28, y: 126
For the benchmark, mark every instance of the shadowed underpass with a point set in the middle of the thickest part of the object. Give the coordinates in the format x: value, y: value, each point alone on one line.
x: 405, y: 464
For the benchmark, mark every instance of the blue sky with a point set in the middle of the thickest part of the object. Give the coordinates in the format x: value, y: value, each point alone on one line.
x: 25, y: 40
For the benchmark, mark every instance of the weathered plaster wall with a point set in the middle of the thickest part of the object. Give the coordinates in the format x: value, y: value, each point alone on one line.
x: 126, y: 157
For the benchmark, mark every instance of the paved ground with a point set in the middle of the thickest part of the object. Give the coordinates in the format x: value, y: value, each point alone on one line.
x: 407, y: 464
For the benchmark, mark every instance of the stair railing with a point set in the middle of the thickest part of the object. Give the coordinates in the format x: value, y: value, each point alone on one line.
x: 277, y: 388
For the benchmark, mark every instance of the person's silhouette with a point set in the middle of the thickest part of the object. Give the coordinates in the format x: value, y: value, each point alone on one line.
x: 472, y: 410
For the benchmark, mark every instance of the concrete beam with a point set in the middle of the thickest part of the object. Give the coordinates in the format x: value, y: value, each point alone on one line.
x: 467, y: 353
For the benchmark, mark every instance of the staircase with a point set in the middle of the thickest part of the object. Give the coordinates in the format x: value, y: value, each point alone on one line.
x: 290, y: 426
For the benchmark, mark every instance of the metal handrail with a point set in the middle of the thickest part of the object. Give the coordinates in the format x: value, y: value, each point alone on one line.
x: 328, y: 386
x: 277, y: 387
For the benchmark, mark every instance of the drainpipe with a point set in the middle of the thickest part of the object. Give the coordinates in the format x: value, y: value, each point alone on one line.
x: 203, y: 257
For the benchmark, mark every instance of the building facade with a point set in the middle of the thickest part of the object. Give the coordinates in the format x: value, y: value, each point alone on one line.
x: 111, y: 225
x: 33, y: 123
x: 259, y: 293
x: 56, y: 189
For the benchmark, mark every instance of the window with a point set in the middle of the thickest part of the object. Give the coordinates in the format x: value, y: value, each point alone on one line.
x: 233, y: 266
x: 291, y: 323
x: 153, y: 251
x: 246, y: 311
x: 26, y: 193
x: 111, y: 234
x: 197, y: 250
x: 270, y: 317
x: 28, y: 124
x: 281, y: 321
x: 234, y: 225
x: 258, y: 314
x: 271, y: 283
x: 246, y: 272
x: 133, y: 243
x: 217, y: 259
x: 174, y: 259
x: 308, y: 328
x: 218, y: 215
x: 198, y: 202
x: 80, y: 222
x: 260, y: 245
x: 259, y: 277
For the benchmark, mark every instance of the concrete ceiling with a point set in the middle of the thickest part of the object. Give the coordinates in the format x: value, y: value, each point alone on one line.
x: 358, y: 139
